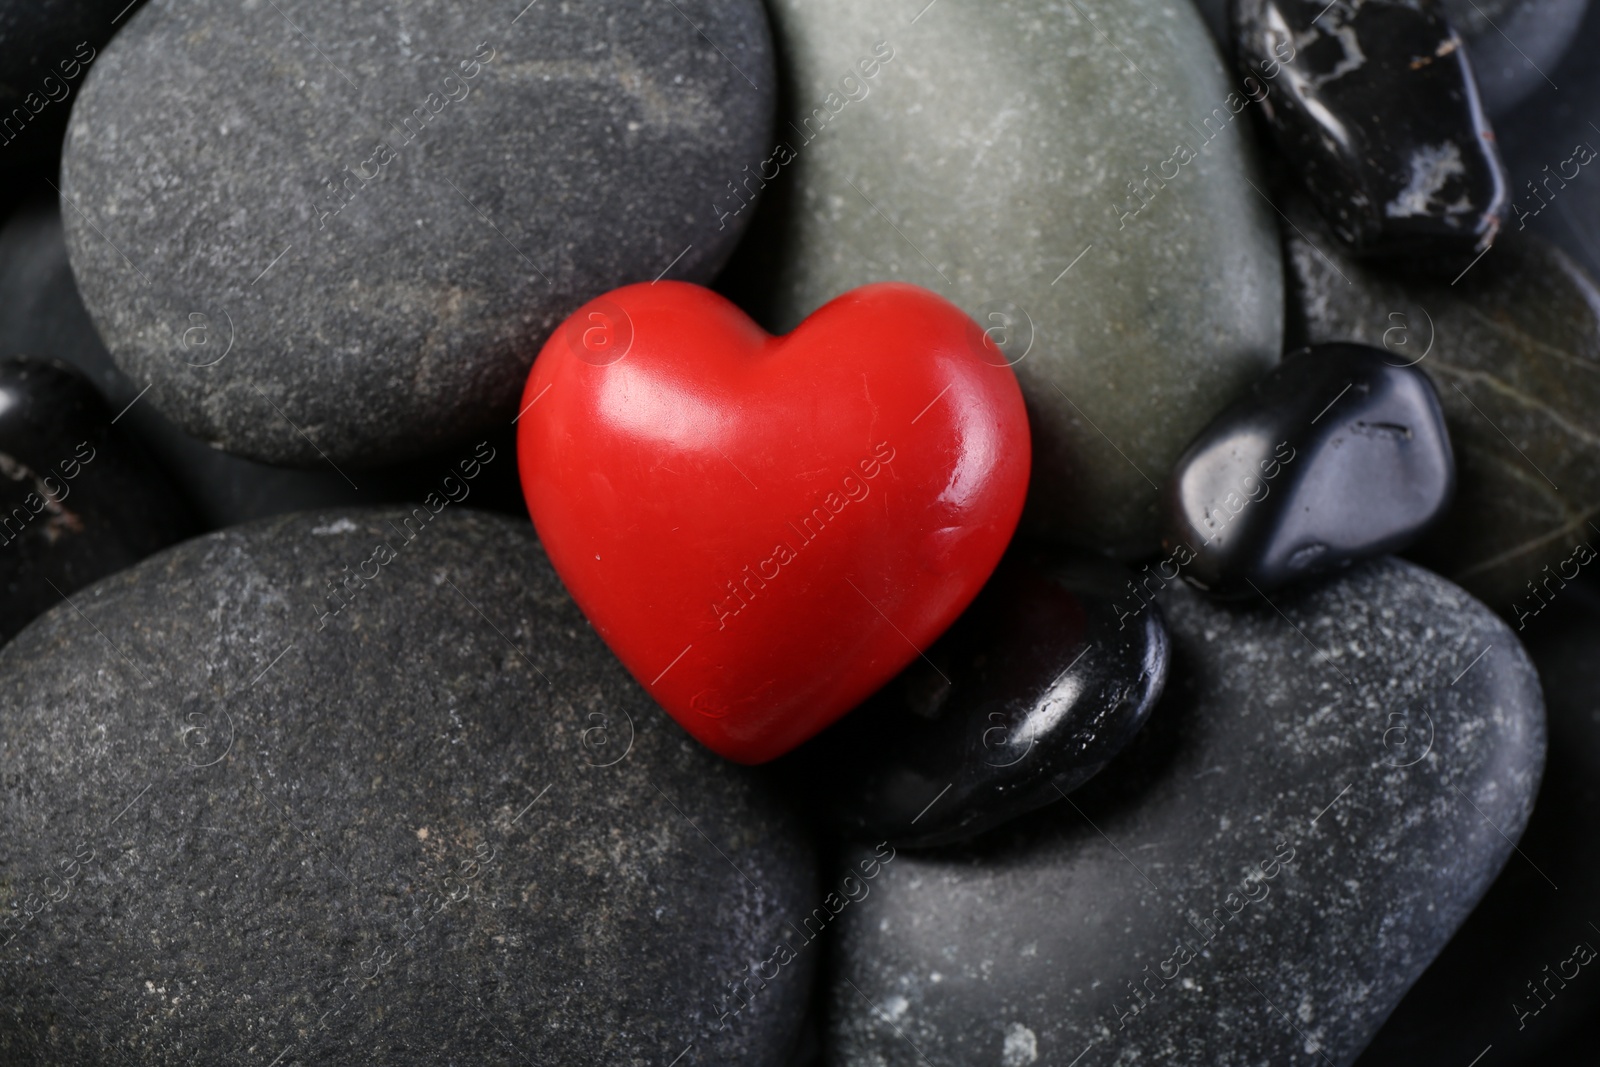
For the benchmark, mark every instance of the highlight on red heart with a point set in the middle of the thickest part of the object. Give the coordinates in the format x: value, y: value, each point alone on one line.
x: 765, y: 529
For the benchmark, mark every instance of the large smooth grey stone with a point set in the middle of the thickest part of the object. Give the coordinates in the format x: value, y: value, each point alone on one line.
x: 41, y: 314
x: 1320, y: 798
x: 563, y: 150
x: 440, y: 827
x: 982, y: 161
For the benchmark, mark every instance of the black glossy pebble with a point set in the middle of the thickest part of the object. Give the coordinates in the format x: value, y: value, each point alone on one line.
x: 1048, y: 675
x: 78, y: 499
x: 1378, y: 113
x: 1338, y: 454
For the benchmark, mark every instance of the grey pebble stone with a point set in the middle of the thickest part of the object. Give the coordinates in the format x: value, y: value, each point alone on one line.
x: 441, y: 826
x: 992, y: 160
x: 1319, y: 800
x: 386, y: 208
x: 41, y: 314
x: 1509, y: 978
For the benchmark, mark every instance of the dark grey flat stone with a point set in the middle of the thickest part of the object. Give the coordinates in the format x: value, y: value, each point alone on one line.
x: 1319, y: 800
x: 386, y: 210
x: 441, y: 826
x: 1511, y: 977
x: 41, y: 314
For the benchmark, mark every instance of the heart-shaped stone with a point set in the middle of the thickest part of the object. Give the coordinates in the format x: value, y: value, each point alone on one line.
x: 765, y: 530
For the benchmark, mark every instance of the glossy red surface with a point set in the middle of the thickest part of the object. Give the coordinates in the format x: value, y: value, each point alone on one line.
x: 764, y: 529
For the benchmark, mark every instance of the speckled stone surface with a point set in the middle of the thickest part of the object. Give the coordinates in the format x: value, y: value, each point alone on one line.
x: 1513, y: 348
x: 1273, y: 861
x: 41, y: 313
x: 990, y: 160
x: 1476, y: 993
x: 441, y: 826
x: 388, y: 208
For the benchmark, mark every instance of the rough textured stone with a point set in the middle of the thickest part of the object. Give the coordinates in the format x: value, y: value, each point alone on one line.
x: 78, y: 498
x: 1514, y: 44
x: 1476, y: 993
x: 1513, y: 348
x: 1380, y: 118
x: 991, y: 159
x: 1048, y: 674
x: 1314, y: 808
x: 440, y: 826
x: 387, y: 209
x: 1338, y: 454
x: 41, y: 313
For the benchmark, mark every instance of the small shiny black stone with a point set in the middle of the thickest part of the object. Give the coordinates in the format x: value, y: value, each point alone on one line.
x: 1338, y: 454
x: 78, y: 499
x: 1374, y: 104
x: 1029, y: 694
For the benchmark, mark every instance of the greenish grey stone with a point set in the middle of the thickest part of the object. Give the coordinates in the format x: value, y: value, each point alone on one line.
x: 1513, y: 346
x: 986, y: 157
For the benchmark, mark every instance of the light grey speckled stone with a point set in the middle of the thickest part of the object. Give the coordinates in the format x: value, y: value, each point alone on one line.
x: 993, y: 152
x: 387, y: 207
x: 1314, y: 808
x: 443, y: 828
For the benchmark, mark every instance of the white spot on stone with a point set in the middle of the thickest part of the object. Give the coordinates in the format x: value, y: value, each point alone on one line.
x: 1432, y: 167
x: 1021, y: 1047
x: 337, y: 526
x: 896, y: 1006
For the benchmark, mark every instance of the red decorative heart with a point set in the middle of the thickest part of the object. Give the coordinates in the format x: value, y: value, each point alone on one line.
x: 766, y: 529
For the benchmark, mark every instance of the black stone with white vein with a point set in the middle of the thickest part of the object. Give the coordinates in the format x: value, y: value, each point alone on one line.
x: 1376, y: 109
x: 1044, y: 679
x: 1338, y: 454
x: 1256, y: 879
x: 441, y: 827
